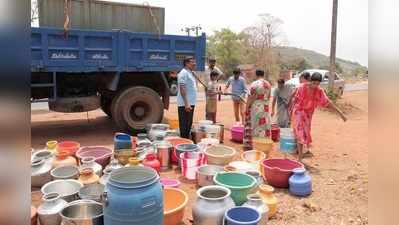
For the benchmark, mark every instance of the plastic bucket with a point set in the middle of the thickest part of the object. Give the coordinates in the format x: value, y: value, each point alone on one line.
x: 287, y: 144
x: 277, y: 171
x: 122, y: 141
x: 264, y: 145
x: 68, y: 146
x: 242, y: 216
x: 240, y: 184
x: 175, y: 201
x: 237, y: 133
x: 101, y: 154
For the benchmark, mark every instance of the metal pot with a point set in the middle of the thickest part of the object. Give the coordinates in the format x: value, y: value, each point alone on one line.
x: 164, y: 150
x: 92, y: 192
x: 198, y: 134
x: 48, y: 212
x: 211, y: 204
x: 40, y: 172
x: 206, y: 173
x: 221, y: 132
x: 83, y: 212
x: 43, y: 154
x: 68, y: 189
x: 157, y: 129
x: 65, y: 172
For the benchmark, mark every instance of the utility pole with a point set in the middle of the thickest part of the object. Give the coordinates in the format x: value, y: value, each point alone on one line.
x: 333, y: 45
x: 193, y: 28
x: 187, y: 30
x: 197, y: 29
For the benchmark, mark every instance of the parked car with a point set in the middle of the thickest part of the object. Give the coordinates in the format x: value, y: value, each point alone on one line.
x: 339, y: 83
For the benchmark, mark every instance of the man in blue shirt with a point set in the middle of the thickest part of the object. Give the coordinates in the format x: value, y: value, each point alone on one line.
x: 186, y: 96
x: 238, y: 88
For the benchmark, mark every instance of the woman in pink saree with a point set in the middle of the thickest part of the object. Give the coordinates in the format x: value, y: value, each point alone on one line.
x: 307, y: 98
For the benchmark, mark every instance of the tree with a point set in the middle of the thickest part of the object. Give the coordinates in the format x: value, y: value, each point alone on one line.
x: 226, y: 47
x: 302, y: 65
x: 260, y: 39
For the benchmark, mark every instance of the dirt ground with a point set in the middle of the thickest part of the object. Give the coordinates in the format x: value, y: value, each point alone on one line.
x: 339, y: 166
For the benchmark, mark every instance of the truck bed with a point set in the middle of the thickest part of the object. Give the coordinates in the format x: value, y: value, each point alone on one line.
x: 84, y: 51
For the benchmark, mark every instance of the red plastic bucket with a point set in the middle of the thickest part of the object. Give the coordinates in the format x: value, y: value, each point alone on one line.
x: 278, y: 171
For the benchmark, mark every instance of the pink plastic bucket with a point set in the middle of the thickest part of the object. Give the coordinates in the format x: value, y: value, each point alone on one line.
x: 237, y: 133
x: 170, y: 183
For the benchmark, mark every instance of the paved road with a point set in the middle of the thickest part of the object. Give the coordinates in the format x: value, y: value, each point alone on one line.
x: 201, y: 96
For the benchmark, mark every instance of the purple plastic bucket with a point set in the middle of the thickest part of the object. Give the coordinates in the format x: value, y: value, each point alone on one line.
x: 101, y: 154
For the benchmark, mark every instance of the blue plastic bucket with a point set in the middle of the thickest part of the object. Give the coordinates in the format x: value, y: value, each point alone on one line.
x: 122, y: 141
x: 287, y: 144
x: 242, y: 216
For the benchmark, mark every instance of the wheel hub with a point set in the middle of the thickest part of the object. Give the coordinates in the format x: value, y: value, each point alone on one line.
x: 139, y: 111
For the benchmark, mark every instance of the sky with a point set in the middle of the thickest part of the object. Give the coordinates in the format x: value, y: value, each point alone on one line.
x: 307, y: 23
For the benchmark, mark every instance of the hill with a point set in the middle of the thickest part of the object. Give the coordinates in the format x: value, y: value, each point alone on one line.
x: 291, y: 55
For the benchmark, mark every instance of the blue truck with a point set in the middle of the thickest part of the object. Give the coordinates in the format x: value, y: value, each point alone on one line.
x: 128, y: 75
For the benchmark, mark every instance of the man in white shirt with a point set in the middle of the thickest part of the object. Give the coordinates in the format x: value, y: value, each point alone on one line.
x: 186, y: 96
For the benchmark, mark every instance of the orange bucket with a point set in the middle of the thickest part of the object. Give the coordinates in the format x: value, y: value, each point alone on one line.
x: 68, y: 146
x: 175, y: 201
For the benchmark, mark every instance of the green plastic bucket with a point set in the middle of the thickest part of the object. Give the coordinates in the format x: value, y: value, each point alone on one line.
x: 240, y: 185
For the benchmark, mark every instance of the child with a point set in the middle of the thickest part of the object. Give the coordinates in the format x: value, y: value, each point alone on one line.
x: 211, y: 97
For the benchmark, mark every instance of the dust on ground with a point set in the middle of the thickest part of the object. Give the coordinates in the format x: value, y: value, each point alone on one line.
x: 339, y: 167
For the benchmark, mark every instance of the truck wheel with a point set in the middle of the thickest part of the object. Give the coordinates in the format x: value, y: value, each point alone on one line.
x: 135, y: 107
x: 106, y: 105
x: 173, y: 89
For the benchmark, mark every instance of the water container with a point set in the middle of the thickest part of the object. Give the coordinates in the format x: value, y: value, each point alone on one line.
x: 300, y: 183
x: 134, y: 197
x: 122, y: 141
x: 287, y: 140
x: 241, y: 215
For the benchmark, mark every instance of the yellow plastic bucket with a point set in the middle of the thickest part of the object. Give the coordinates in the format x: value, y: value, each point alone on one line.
x: 263, y: 144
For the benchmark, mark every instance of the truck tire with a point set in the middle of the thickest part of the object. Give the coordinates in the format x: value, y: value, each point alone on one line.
x: 106, y: 105
x: 135, y: 107
x: 173, y: 89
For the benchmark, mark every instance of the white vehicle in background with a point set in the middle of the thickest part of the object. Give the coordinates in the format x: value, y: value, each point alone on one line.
x: 339, y: 82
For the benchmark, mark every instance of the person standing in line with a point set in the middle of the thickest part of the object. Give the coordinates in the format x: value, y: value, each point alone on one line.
x: 207, y: 73
x: 281, y: 96
x: 211, y: 97
x: 212, y: 67
x: 186, y: 96
x: 257, y: 120
x: 238, y: 88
